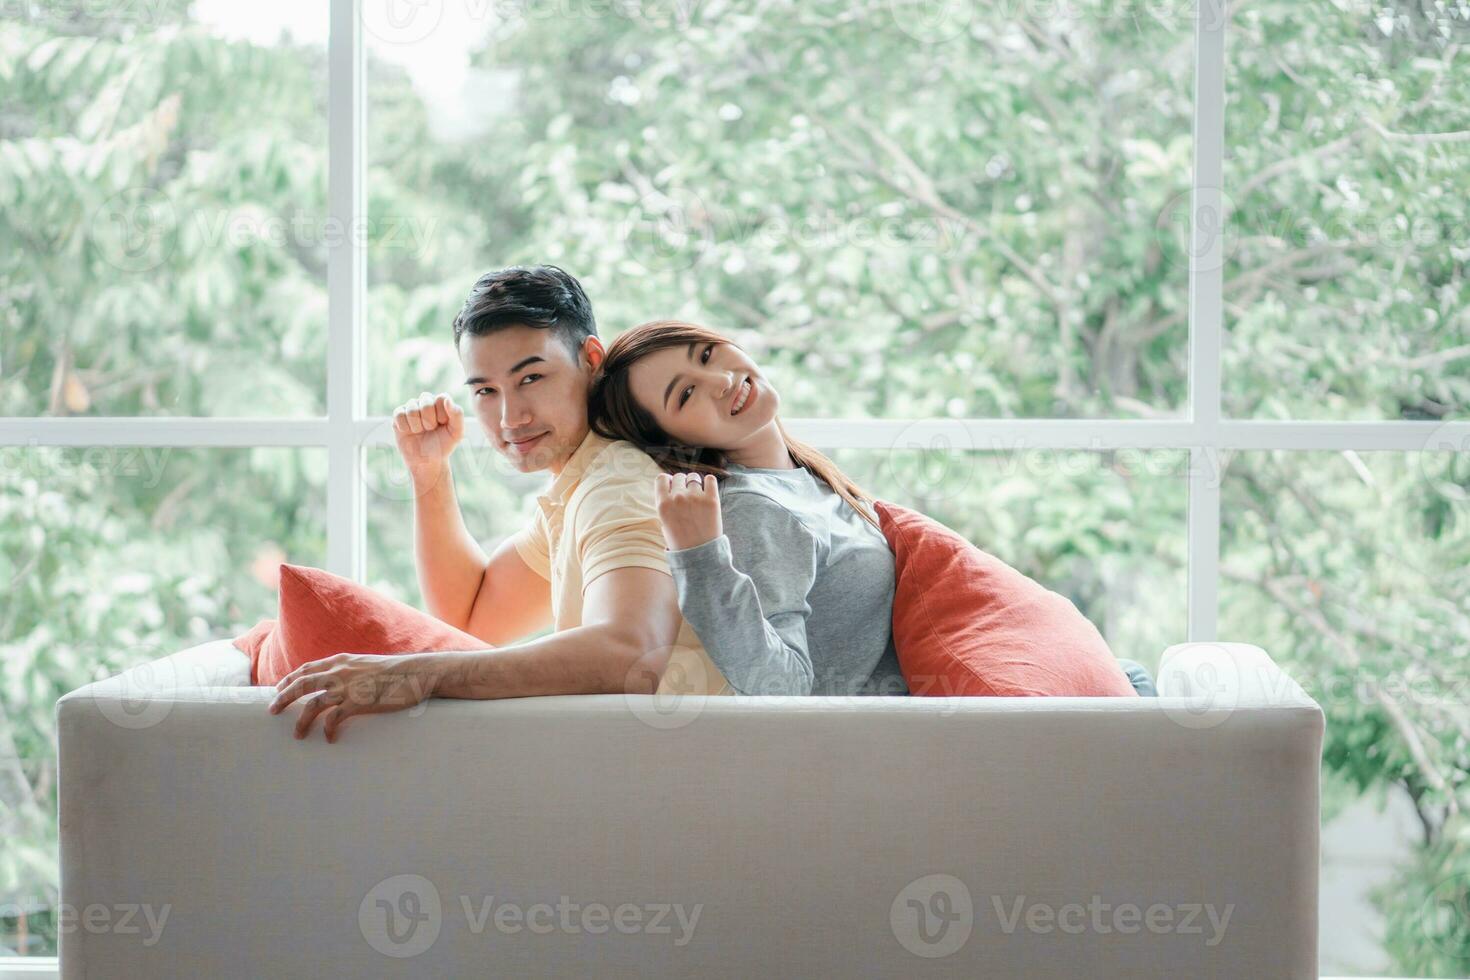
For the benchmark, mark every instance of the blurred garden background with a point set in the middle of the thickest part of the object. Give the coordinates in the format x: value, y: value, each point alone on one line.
x: 903, y: 208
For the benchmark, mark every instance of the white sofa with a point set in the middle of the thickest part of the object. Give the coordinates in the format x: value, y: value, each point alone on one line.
x: 618, y: 836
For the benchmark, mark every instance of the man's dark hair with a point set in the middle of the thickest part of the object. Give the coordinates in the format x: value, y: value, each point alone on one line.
x: 541, y: 296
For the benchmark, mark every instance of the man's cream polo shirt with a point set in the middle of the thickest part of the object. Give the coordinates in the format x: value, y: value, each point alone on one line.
x: 598, y: 515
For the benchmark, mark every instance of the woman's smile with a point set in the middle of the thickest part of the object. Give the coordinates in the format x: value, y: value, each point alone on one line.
x: 743, y: 397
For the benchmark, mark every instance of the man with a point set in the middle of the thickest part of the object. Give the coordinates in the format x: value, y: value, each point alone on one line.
x: 591, y: 562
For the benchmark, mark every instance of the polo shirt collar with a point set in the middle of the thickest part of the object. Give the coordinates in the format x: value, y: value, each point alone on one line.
x: 571, y: 474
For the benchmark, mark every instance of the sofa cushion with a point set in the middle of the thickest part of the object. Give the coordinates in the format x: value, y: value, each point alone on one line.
x: 322, y: 614
x: 966, y: 623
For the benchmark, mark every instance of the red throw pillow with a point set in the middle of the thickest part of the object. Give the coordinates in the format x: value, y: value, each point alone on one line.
x: 322, y: 614
x: 966, y: 623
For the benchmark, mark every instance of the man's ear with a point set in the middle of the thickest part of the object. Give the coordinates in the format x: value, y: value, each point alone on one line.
x: 593, y: 353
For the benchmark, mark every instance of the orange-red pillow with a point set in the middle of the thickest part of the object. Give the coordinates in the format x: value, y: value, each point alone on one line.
x: 966, y: 623
x: 322, y: 614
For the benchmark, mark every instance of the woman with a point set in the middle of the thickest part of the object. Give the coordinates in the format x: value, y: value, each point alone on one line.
x: 780, y: 565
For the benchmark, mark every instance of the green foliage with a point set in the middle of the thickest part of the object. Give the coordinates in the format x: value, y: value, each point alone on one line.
x: 1350, y: 569
x: 1346, y: 276
x: 1428, y: 911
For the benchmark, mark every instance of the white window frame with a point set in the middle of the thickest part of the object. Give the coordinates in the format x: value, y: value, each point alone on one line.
x: 347, y: 430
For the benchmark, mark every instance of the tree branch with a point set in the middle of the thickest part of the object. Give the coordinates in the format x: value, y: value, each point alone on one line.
x: 924, y: 193
x: 1437, y: 358
x: 1412, y: 738
x: 1459, y: 136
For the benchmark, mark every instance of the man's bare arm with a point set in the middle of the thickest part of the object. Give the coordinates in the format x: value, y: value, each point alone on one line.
x: 630, y: 620
x: 450, y: 563
x: 499, y: 599
x: 512, y: 601
x: 631, y: 623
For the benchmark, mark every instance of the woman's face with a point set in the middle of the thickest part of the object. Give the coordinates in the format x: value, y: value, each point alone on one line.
x: 707, y: 395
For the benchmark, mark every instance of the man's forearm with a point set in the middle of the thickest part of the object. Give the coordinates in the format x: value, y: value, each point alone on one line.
x: 584, y: 660
x: 450, y: 563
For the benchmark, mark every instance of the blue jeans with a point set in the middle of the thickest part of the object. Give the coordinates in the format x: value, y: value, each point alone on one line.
x: 1139, y: 677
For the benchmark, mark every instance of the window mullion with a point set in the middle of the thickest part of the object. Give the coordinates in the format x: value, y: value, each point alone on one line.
x: 346, y: 284
x: 1206, y: 273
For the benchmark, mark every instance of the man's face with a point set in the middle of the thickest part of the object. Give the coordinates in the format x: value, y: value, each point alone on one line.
x: 530, y: 393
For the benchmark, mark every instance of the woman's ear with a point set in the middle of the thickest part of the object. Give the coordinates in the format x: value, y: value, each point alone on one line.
x: 593, y: 353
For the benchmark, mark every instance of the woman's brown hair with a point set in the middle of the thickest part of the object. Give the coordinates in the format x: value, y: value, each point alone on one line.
x: 614, y: 414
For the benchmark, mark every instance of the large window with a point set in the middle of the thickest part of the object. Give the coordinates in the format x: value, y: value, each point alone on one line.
x: 1162, y: 302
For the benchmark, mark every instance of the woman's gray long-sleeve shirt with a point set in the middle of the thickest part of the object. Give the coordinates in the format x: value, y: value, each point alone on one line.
x: 796, y: 597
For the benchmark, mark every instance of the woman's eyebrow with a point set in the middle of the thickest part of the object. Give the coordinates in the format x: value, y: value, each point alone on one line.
x: 689, y: 355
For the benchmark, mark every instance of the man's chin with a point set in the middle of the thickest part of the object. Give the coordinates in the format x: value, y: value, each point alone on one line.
x: 542, y: 456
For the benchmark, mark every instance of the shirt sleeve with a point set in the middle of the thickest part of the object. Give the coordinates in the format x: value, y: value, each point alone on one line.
x: 745, y: 595
x: 617, y: 526
x: 531, y: 544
